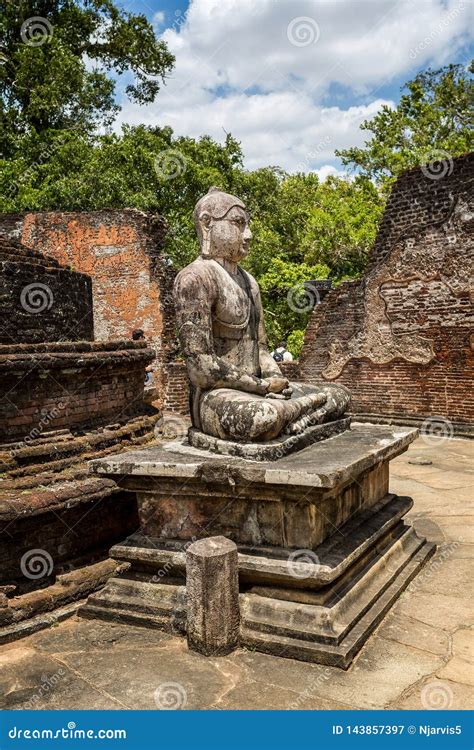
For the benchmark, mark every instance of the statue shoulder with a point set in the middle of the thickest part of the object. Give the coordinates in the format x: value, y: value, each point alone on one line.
x: 195, y: 277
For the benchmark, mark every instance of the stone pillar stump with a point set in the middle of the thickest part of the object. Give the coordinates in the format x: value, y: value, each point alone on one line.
x: 212, y: 593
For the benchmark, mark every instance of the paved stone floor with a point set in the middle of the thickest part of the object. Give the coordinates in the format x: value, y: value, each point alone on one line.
x: 420, y: 657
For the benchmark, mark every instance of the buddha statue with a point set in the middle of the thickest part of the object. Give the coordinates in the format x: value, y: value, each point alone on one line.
x: 237, y: 390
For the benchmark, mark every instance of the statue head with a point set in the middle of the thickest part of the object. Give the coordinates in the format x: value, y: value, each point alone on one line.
x: 222, y: 226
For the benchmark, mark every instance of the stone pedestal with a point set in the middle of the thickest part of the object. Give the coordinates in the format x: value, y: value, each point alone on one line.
x: 323, y: 550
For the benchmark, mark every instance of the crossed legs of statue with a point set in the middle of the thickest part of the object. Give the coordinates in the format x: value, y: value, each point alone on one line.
x: 245, y: 417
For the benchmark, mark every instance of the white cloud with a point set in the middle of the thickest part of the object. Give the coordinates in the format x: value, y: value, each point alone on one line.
x: 327, y: 170
x: 158, y: 20
x: 278, y: 74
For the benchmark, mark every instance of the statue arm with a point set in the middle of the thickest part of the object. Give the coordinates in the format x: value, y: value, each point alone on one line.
x: 193, y: 301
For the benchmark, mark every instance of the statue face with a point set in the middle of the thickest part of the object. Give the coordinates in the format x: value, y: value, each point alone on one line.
x: 229, y: 236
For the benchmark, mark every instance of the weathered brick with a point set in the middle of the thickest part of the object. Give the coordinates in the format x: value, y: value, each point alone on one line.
x: 399, y: 338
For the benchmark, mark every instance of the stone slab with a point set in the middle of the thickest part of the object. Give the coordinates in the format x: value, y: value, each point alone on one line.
x: 271, y: 450
x: 460, y: 668
x: 30, y: 680
x: 328, y: 464
x: 410, y: 632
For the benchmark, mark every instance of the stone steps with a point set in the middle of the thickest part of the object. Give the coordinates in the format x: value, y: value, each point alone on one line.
x: 139, y: 602
x: 342, y: 654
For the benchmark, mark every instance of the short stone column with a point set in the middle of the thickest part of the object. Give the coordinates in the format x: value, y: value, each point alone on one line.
x: 212, y: 595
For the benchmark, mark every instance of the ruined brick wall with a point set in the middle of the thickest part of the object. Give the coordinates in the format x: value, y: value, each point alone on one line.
x: 177, y: 393
x: 123, y: 253
x: 69, y: 385
x: 399, y: 338
x: 291, y: 370
x: 40, y: 300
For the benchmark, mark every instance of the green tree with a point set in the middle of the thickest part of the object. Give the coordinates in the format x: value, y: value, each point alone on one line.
x: 57, y: 57
x: 342, y: 224
x: 301, y: 229
x: 286, y: 302
x: 57, y: 88
x: 434, y: 115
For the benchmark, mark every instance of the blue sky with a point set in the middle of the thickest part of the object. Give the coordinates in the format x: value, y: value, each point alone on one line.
x: 293, y: 79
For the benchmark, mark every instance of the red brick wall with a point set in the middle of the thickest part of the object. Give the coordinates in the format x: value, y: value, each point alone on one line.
x: 399, y: 338
x: 123, y: 252
x: 40, y: 300
x: 56, y: 386
x: 177, y: 393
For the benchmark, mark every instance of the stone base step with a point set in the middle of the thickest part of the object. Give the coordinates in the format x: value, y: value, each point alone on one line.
x: 154, y: 605
x: 328, y: 616
x: 341, y: 654
x: 273, y: 565
x: 327, y: 626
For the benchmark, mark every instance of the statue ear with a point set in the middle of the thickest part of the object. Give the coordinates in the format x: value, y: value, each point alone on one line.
x: 205, y: 221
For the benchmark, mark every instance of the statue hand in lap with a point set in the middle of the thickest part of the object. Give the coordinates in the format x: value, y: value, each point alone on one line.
x: 237, y: 390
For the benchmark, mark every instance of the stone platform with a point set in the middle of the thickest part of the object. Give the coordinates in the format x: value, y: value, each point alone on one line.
x: 323, y: 548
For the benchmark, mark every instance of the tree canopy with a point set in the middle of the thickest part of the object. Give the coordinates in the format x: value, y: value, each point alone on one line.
x: 57, y: 58
x: 433, y: 119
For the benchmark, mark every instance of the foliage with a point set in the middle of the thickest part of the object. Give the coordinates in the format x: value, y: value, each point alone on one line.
x: 301, y: 229
x: 435, y: 114
x: 284, y: 299
x: 56, y: 59
x: 294, y: 343
x: 342, y: 224
x: 56, y: 97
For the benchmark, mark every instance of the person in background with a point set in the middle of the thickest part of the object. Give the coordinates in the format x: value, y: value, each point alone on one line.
x: 281, y: 353
x: 139, y: 335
